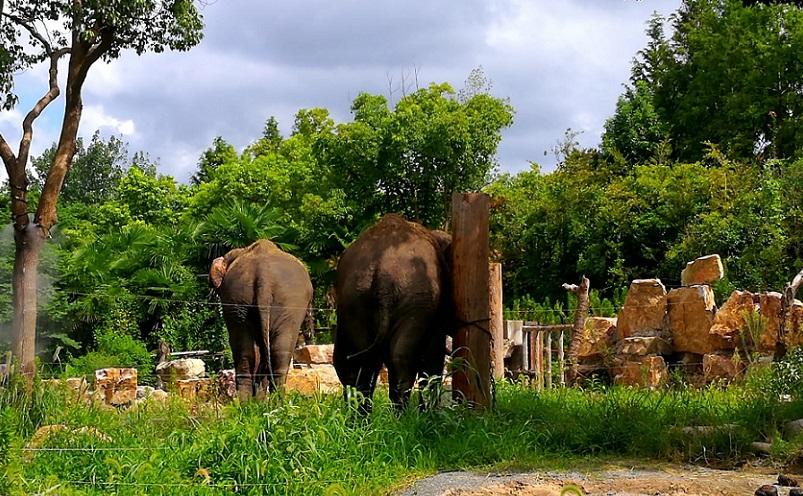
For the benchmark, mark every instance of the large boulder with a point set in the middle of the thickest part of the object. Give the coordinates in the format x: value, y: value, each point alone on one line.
x: 690, y: 314
x: 117, y: 386
x: 227, y: 384
x: 703, y: 270
x: 721, y: 368
x: 314, y: 354
x: 649, y: 372
x: 181, y: 370
x: 643, y: 346
x: 770, y: 308
x: 642, y: 313
x: 596, y: 338
x: 793, y: 335
x: 196, y: 389
x: 308, y: 381
x: 731, y: 320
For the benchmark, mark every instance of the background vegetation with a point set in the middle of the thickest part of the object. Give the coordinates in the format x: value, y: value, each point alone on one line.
x: 701, y: 156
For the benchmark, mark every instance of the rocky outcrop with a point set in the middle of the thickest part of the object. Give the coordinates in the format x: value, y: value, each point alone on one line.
x: 642, y: 313
x: 731, y: 320
x: 770, y: 310
x: 793, y: 335
x: 116, y: 386
x: 309, y: 381
x: 649, y: 372
x: 689, y: 316
x: 320, y: 354
x: 227, y: 384
x: 196, y: 389
x: 704, y: 270
x: 721, y: 368
x: 643, y: 346
x: 597, y: 338
x: 180, y: 370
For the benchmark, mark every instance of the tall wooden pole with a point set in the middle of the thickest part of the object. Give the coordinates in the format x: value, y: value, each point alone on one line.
x: 472, y: 343
x: 497, y: 321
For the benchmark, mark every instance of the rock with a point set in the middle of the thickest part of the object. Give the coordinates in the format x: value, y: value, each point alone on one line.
x: 731, y: 318
x: 318, y: 354
x: 690, y: 314
x: 227, y: 384
x: 643, y: 345
x: 642, y: 313
x: 794, y: 326
x: 762, y: 448
x: 196, y: 389
x: 796, y: 491
x: 793, y: 428
x: 767, y: 490
x: 179, y: 370
x: 651, y: 372
x: 703, y: 270
x: 705, y: 430
x: 596, y: 338
x: 144, y: 392
x: 117, y: 386
x: 158, y: 395
x: 770, y: 309
x: 309, y: 381
x: 719, y: 367
x: 786, y: 481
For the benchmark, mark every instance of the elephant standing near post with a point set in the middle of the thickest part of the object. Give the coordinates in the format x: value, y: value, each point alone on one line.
x: 266, y: 295
x: 393, y: 295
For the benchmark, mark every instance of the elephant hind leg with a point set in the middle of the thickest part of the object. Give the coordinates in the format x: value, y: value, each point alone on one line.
x: 283, y: 338
x: 245, y: 360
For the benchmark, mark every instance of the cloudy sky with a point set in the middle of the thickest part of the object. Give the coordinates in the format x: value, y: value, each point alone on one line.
x: 561, y: 63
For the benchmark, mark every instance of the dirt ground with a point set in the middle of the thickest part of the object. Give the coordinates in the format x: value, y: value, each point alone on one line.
x: 666, y: 480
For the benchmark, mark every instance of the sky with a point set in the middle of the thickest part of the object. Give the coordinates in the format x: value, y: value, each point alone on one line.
x: 561, y: 63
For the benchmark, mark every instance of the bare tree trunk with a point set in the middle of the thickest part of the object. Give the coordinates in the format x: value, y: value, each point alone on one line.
x: 26, y: 261
x: 580, y: 315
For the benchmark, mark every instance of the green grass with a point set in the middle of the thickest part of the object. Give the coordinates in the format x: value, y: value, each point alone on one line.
x: 300, y: 445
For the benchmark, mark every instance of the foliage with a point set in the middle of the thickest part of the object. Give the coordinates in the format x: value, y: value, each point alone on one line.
x: 295, y: 445
x: 113, y: 350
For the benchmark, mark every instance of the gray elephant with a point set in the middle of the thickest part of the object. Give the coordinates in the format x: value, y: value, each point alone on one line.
x: 394, y: 307
x: 266, y: 294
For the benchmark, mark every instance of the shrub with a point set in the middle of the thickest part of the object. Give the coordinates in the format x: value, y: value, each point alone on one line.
x: 114, y: 350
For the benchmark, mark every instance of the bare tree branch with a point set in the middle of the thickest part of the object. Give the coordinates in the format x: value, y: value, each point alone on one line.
x: 52, y: 94
x: 7, y: 154
x: 28, y: 25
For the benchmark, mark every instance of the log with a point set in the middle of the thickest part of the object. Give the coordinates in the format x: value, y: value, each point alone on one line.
x: 497, y: 320
x: 470, y: 277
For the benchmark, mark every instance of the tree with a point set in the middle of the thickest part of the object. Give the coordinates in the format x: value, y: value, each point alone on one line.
x: 83, y: 32
x: 96, y: 169
x: 218, y: 154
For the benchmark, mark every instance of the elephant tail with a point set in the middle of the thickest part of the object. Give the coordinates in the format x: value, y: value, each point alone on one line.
x: 264, y: 325
x: 383, y: 331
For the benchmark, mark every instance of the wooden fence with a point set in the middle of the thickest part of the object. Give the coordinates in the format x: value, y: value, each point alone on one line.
x: 538, y: 356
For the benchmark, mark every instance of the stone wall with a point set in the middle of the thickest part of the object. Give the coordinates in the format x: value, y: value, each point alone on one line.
x: 684, y: 329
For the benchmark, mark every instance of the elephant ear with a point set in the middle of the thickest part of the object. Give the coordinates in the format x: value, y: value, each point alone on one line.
x: 217, y: 272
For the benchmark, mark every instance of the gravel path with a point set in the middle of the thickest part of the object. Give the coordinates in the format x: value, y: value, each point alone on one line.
x: 671, y: 480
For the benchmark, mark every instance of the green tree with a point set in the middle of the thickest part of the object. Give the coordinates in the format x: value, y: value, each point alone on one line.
x: 83, y: 32
x: 218, y: 154
x: 96, y: 169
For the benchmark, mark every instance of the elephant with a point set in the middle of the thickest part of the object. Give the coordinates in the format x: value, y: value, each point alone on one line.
x: 266, y: 296
x: 394, y: 308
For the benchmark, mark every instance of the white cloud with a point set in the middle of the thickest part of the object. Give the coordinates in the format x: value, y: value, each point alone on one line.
x: 94, y: 117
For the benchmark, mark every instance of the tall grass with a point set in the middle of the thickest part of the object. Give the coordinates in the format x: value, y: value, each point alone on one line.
x: 300, y: 445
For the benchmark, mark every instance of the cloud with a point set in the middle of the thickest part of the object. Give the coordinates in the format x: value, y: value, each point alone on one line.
x: 94, y: 117
x: 561, y: 64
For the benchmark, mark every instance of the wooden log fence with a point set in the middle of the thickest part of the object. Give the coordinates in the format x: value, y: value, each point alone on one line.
x: 538, y: 355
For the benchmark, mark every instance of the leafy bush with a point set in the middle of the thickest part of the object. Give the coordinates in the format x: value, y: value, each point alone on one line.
x: 114, y: 350
x: 787, y: 374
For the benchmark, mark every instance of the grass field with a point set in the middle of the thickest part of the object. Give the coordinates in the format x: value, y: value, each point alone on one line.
x: 317, y: 445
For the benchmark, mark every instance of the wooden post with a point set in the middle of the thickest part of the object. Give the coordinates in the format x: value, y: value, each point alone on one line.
x: 561, y: 360
x: 548, y: 360
x: 472, y: 343
x: 497, y: 320
x: 580, y: 315
x: 539, y: 346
